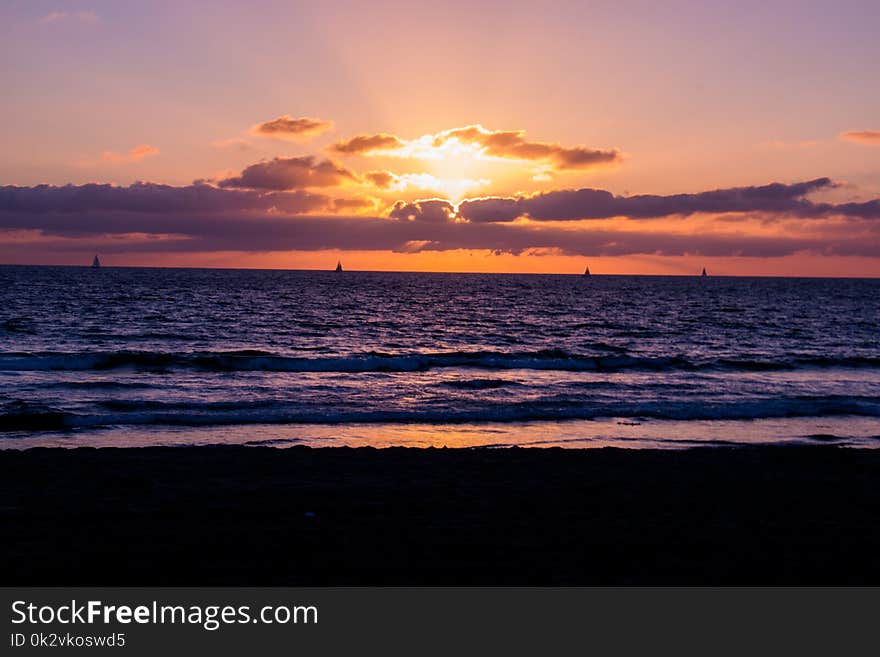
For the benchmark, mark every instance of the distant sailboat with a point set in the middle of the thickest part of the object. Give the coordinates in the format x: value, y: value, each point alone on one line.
x: 704, y: 274
x: 587, y: 272
x: 338, y: 266
x: 96, y: 263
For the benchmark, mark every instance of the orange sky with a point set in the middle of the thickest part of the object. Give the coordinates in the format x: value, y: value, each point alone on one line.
x: 289, y: 136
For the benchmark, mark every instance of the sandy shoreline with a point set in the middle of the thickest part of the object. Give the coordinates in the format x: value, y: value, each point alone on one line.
x: 301, y: 516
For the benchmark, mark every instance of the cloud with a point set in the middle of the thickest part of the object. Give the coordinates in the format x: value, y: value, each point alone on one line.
x: 430, y: 210
x: 569, y: 205
x: 871, y: 137
x: 381, y: 179
x: 776, y: 199
x: 512, y: 144
x: 478, y: 142
x: 491, y: 209
x: 284, y: 173
x: 356, y: 204
x: 149, y: 217
x: 368, y: 144
x: 292, y: 129
x: 136, y: 154
x: 152, y: 198
x: 233, y: 232
x: 866, y: 210
x: 79, y: 16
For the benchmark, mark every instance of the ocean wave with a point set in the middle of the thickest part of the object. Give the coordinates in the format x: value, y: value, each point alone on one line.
x: 97, y: 385
x: 24, y: 416
x: 23, y: 325
x: 20, y: 416
x: 547, y: 359
x: 479, y: 384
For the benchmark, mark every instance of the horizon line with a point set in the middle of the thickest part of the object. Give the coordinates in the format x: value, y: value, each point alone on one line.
x: 410, y: 271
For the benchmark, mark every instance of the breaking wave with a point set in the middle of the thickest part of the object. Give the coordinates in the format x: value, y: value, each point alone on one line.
x: 21, y: 416
x: 551, y: 359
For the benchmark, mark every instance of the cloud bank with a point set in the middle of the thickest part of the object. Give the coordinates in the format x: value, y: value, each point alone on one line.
x: 571, y: 205
x: 200, y: 217
x: 73, y: 201
x: 231, y: 232
x: 279, y: 184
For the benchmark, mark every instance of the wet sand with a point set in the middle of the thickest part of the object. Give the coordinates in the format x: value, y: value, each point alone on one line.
x: 338, y: 516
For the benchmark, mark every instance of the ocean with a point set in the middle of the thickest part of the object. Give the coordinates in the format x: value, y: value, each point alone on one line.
x: 139, y: 356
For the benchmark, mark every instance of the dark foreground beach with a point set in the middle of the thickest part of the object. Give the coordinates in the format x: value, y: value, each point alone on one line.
x: 301, y: 516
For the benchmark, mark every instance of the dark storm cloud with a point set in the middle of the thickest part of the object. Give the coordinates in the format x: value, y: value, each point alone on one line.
x: 284, y: 173
x: 563, y: 205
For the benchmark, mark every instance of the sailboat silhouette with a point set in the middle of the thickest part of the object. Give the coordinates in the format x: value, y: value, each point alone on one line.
x: 704, y: 274
x: 587, y: 272
x: 96, y: 263
x: 338, y: 266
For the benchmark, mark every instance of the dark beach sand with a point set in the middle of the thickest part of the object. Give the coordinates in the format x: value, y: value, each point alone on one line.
x: 261, y: 516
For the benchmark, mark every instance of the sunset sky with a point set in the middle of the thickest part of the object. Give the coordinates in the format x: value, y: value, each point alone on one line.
x: 636, y: 137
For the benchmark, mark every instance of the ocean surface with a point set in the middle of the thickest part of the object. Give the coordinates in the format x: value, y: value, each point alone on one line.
x: 131, y: 356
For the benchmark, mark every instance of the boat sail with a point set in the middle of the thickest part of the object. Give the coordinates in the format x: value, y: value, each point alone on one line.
x: 587, y: 272
x: 338, y: 266
x: 96, y: 263
x: 704, y: 274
